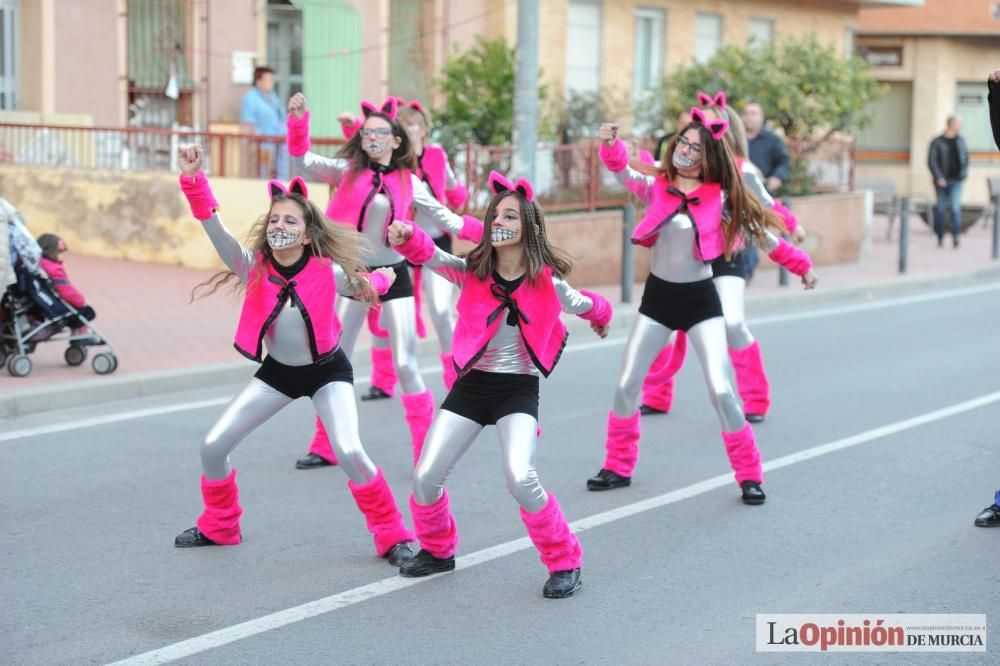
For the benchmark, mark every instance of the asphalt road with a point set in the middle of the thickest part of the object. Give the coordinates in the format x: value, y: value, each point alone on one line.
x: 882, y: 442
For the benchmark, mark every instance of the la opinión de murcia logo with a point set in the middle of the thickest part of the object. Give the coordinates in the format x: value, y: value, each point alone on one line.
x: 871, y: 633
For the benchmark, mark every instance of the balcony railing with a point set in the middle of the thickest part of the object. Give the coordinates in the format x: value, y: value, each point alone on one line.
x: 567, y: 177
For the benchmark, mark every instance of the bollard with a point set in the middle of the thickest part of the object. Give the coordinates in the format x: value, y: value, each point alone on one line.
x: 628, y: 252
x: 996, y: 226
x: 904, y: 234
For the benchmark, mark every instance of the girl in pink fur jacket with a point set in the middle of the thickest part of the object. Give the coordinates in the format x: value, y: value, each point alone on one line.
x: 508, y: 334
x: 376, y: 183
x: 436, y: 174
x: 698, y: 210
x: 293, y: 270
x: 730, y: 278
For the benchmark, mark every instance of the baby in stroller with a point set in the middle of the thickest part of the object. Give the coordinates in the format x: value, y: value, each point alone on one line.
x: 38, y: 301
x: 51, y: 262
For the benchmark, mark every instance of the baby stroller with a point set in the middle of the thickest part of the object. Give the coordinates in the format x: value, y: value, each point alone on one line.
x: 32, y: 313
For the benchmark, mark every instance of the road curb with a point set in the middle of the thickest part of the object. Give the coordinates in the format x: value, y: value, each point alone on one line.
x: 99, y: 390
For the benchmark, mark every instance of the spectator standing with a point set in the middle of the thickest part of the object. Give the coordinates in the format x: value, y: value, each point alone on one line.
x: 263, y: 109
x: 948, y: 160
x: 767, y: 153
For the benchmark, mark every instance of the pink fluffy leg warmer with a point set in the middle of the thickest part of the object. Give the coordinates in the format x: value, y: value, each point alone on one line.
x: 383, y: 370
x: 320, y: 444
x: 385, y: 522
x: 448, y: 365
x: 435, y: 527
x: 557, y: 546
x: 220, y: 521
x: 622, y: 444
x: 751, y: 380
x: 419, y: 408
x: 741, y: 447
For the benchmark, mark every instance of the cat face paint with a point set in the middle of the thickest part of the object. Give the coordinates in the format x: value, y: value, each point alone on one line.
x: 687, y: 155
x: 377, y: 138
x: 285, y: 226
x: 505, y: 230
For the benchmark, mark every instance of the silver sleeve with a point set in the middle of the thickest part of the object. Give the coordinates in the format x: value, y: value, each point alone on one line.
x: 637, y: 183
x: 435, y: 211
x: 448, y: 266
x: 752, y: 179
x: 238, y: 259
x: 450, y: 180
x: 345, y: 286
x: 571, y: 300
x: 316, y: 167
x: 769, y: 243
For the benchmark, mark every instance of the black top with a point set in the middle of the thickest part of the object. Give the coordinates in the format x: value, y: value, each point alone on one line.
x: 953, y: 167
x: 288, y: 272
x: 994, y: 100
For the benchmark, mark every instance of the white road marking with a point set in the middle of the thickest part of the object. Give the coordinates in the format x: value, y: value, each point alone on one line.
x: 385, y: 586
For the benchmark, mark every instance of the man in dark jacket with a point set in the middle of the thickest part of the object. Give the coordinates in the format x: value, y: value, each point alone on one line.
x: 767, y: 153
x: 990, y: 516
x: 948, y: 160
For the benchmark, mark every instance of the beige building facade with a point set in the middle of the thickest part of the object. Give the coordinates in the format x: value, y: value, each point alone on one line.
x: 934, y: 61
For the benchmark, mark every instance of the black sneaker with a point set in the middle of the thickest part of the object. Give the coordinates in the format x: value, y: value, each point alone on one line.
x: 608, y: 480
x: 562, y: 584
x: 754, y: 418
x: 312, y: 461
x: 375, y: 393
x: 424, y: 564
x: 400, y: 553
x: 193, y: 538
x: 989, y: 517
x: 752, y: 492
x: 646, y: 410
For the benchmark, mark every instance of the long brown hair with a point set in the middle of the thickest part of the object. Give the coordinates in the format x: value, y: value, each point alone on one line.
x: 402, y: 157
x: 538, y: 252
x: 746, y: 215
x: 335, y: 241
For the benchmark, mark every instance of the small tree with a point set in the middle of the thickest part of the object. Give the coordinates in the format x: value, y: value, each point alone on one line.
x: 479, y: 89
x: 805, y: 88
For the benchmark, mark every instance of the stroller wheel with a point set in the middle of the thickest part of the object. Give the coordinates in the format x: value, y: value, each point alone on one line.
x: 75, y: 355
x: 104, y: 363
x: 19, y: 366
x: 3, y: 357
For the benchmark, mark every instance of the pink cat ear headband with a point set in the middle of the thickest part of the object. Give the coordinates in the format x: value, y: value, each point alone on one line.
x: 498, y: 184
x: 297, y: 186
x: 704, y: 99
x: 415, y: 105
x: 715, y: 127
x: 389, y: 108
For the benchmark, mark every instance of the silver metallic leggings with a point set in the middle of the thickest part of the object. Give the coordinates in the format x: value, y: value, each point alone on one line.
x: 451, y: 435
x: 258, y: 402
x: 708, y: 338
x: 732, y: 293
x: 400, y: 320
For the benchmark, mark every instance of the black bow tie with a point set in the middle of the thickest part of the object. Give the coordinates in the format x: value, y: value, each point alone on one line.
x: 506, y: 301
x: 686, y: 201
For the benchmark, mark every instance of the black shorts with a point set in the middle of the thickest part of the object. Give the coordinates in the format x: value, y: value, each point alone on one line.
x: 402, y: 287
x: 680, y: 305
x: 300, y: 381
x: 736, y: 267
x: 486, y: 397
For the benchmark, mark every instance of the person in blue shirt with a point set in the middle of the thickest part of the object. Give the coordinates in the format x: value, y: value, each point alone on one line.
x: 263, y: 109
